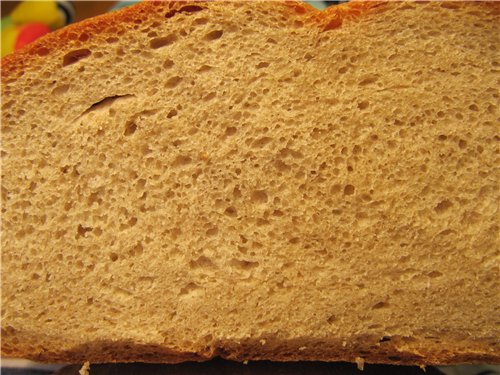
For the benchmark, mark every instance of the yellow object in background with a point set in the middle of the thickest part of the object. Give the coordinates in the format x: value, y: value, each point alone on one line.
x: 38, y: 11
x: 30, y: 20
x: 9, y: 36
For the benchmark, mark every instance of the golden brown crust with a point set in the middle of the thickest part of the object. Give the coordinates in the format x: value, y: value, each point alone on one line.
x: 397, y: 350
x: 126, y: 352
x: 77, y: 35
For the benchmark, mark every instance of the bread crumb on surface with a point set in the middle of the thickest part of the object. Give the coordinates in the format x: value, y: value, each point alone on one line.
x: 360, y: 362
x: 85, y: 370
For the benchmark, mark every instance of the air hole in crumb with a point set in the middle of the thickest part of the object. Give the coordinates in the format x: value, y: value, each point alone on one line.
x: 81, y: 230
x: 434, y: 274
x: 209, y: 96
x: 204, y: 68
x: 113, y: 257
x: 259, y: 196
x: 335, y: 189
x: 237, y: 192
x: 185, y: 9
x: 212, y: 231
x: 462, y: 144
x: 260, y: 222
x: 42, y: 51
x: 181, y: 160
x: 141, y: 183
x: 162, y: 41
x: 442, y: 137
x: 130, y: 128
x: 75, y: 56
x: 333, y: 24
x: 261, y: 142
x: 214, y: 35
x: 343, y: 69
x: 167, y: 64
x: 443, y: 206
x: 380, y: 305
x: 262, y: 65
x: 59, y: 90
x: 189, y: 289
x: 200, y: 21
x: 349, y: 190
x: 231, y: 130
x: 94, y: 198
x: 278, y: 213
x: 363, y: 105
x: 385, y: 339
x: 201, y: 262
x: 368, y: 80
x: 243, y: 264
x: 231, y: 211
x: 331, y: 319
x: 173, y: 82
x: 172, y: 113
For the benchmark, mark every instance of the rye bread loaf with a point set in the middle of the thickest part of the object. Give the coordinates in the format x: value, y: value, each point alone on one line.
x: 255, y: 180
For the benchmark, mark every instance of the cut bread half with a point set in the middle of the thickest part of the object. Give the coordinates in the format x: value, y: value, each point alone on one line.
x: 255, y: 180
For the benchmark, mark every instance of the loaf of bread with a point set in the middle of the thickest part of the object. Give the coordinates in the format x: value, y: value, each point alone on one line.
x: 255, y: 180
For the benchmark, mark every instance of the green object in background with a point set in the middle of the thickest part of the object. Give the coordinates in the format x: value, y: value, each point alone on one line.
x: 9, y: 35
x: 318, y: 4
x: 5, y: 22
x: 321, y: 5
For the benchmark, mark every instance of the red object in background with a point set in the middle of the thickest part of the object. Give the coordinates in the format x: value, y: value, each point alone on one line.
x: 29, y: 32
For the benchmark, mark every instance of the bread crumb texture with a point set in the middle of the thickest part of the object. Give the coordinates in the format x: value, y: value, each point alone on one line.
x: 255, y: 181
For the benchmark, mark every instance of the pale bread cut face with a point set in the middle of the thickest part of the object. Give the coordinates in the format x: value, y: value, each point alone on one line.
x: 256, y: 181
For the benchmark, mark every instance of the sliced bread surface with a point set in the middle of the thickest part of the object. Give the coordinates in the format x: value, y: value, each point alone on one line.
x: 255, y: 180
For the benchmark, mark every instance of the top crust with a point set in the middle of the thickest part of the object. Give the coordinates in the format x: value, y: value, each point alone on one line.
x: 116, y: 23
